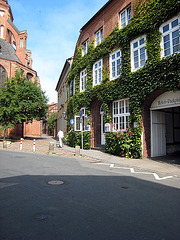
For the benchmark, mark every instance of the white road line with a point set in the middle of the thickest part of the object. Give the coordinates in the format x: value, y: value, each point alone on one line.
x: 133, y: 171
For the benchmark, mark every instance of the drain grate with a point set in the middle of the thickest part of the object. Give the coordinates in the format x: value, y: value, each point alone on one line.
x: 55, y: 182
x: 41, y: 217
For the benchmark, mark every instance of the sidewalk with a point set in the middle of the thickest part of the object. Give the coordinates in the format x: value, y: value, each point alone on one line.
x: 138, y: 164
x: 42, y: 147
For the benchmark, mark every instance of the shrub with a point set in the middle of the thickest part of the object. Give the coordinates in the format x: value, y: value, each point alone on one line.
x: 124, y: 144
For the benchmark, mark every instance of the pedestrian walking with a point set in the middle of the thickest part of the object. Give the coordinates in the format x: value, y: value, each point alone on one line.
x: 60, y: 135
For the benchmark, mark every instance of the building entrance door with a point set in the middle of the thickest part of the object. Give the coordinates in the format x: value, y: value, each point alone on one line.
x: 165, y: 124
x: 158, y: 134
x: 103, y: 139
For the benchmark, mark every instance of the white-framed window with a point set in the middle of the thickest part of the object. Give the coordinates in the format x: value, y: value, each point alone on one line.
x: 1, y: 13
x: 21, y: 43
x: 170, y: 43
x: 125, y: 17
x: 72, y: 87
x: 84, y: 126
x: 121, y: 115
x: 99, y: 37
x: 97, y: 72
x: 1, y: 31
x: 83, y: 80
x: 115, y: 64
x: 85, y: 47
x: 138, y: 53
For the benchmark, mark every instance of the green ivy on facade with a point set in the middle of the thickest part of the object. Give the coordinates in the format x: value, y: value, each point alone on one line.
x: 137, y: 86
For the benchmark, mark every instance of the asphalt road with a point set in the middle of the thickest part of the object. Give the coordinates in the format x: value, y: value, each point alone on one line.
x: 59, y: 198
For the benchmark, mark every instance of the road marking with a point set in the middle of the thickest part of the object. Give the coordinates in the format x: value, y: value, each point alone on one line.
x: 4, y: 185
x: 135, y: 172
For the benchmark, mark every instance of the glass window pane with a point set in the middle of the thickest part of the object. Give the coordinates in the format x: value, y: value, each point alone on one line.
x: 142, y: 50
x: 174, y: 23
x: 167, y: 52
x: 136, y: 59
x: 167, y: 45
x: 127, y: 122
x: 113, y: 56
x: 142, y: 41
x: 135, y: 53
x: 127, y: 106
x: 129, y: 14
x: 122, y: 123
x: 142, y: 56
x: 135, y: 45
x: 136, y: 65
x: 166, y: 38
x: 142, y: 62
x: 175, y: 41
x: 176, y: 48
x: 166, y: 28
x: 175, y: 34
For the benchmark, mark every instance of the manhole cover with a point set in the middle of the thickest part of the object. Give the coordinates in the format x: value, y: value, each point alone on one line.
x: 55, y: 182
x: 125, y: 187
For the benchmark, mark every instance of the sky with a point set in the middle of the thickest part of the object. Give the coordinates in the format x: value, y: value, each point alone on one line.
x: 53, y: 29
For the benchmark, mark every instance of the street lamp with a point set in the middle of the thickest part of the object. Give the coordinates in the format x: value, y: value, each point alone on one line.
x: 64, y: 115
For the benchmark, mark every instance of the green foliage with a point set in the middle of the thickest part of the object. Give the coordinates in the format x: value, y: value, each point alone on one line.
x: 51, y: 121
x: 74, y: 139
x: 21, y: 100
x: 7, y: 106
x: 31, y: 100
x: 124, y: 144
x: 137, y: 86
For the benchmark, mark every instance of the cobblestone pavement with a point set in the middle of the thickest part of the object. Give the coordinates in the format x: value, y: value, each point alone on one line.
x: 42, y: 146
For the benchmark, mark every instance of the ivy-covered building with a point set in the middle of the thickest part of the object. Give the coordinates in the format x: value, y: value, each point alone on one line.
x: 125, y: 77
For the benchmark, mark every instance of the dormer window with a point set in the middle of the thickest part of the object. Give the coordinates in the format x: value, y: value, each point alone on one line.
x: 99, y: 37
x: 1, y: 13
x: 125, y: 17
x: 85, y: 47
x: 21, y: 43
x: 14, y: 46
x: 1, y: 31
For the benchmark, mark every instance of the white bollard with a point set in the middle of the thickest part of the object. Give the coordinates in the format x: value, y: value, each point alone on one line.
x: 34, y: 146
x: 20, y: 144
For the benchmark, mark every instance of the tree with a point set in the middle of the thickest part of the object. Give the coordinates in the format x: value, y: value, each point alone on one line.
x: 51, y: 120
x: 27, y: 101
x: 7, y: 106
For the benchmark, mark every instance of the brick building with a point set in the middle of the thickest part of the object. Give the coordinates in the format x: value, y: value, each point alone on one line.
x: 63, y: 96
x: 15, y: 56
x: 52, y: 109
x: 126, y: 76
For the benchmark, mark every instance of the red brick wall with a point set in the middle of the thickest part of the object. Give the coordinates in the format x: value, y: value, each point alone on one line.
x: 108, y: 18
x: 32, y: 129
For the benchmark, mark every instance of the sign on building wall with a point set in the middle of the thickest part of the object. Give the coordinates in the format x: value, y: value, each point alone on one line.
x: 166, y: 100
